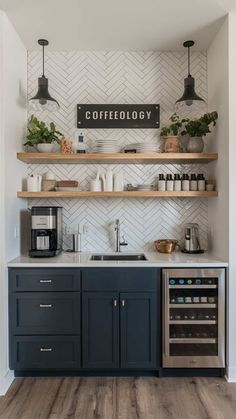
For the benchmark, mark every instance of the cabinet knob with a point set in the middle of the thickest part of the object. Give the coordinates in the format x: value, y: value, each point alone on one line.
x: 45, y: 349
x: 115, y: 303
x: 45, y: 281
x: 123, y: 303
x: 45, y: 305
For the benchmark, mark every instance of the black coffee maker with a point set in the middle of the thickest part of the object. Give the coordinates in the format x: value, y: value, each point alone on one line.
x: 46, y: 231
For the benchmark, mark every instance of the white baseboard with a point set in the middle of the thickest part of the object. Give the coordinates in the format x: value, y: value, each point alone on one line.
x: 5, y: 382
x: 231, y: 375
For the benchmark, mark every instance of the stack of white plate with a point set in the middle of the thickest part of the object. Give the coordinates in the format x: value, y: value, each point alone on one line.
x: 107, y: 146
x: 147, y: 148
x: 145, y: 187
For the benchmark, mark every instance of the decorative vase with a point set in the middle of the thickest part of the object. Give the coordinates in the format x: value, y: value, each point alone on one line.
x: 47, y: 148
x: 195, y: 145
x: 172, y: 144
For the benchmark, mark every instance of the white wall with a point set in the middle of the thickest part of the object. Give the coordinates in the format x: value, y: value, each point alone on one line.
x: 218, y: 93
x: 13, y: 82
x: 222, y: 96
x: 232, y: 198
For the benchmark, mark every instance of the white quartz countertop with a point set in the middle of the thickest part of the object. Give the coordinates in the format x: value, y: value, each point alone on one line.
x: 154, y: 259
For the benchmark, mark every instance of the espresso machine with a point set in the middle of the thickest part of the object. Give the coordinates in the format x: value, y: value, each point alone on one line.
x: 191, y: 239
x: 46, y: 231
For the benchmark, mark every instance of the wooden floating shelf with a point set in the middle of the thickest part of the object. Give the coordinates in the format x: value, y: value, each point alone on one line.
x: 124, y: 194
x: 117, y: 158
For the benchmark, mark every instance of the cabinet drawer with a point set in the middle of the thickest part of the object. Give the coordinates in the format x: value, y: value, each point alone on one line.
x: 40, y: 279
x: 45, y: 313
x: 120, y: 279
x: 44, y: 352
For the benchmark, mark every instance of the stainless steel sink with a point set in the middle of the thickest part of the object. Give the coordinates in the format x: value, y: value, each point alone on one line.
x: 135, y: 257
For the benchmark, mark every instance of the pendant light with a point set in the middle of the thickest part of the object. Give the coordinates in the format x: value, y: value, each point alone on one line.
x: 43, y: 100
x: 190, y: 102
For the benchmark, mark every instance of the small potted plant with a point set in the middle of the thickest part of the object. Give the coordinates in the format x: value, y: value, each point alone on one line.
x: 172, y: 134
x: 198, y: 128
x: 44, y: 139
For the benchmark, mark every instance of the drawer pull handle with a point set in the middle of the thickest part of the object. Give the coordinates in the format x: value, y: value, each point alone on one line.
x: 115, y: 303
x: 123, y: 303
x: 45, y: 305
x: 45, y: 349
x: 45, y: 281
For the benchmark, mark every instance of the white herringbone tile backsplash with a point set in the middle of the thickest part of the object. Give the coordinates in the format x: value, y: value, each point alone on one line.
x: 119, y: 77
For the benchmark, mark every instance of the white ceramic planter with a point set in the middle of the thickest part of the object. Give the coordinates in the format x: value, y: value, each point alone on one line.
x: 47, y: 148
x: 195, y: 145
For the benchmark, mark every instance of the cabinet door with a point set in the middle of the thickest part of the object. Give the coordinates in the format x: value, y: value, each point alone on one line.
x: 100, y: 330
x: 44, y: 279
x: 45, y: 352
x: 139, y: 324
x: 35, y: 313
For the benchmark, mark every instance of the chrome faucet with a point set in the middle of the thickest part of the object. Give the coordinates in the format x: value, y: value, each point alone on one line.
x: 118, y: 242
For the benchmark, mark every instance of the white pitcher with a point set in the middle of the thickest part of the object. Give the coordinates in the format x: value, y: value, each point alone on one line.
x: 34, y: 183
x: 108, y: 181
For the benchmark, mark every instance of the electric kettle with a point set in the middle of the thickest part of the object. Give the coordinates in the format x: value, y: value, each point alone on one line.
x: 191, y: 239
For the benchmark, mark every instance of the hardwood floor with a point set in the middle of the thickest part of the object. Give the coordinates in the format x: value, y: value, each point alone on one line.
x: 119, y: 398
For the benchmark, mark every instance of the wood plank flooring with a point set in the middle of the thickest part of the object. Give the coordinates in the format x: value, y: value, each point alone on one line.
x: 119, y: 398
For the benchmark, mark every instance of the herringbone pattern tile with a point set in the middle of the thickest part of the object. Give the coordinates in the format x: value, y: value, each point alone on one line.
x: 119, y: 77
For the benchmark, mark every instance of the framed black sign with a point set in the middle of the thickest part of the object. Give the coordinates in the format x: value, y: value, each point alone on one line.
x: 118, y: 116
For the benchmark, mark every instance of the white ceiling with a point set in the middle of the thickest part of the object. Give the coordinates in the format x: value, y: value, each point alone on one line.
x: 117, y: 24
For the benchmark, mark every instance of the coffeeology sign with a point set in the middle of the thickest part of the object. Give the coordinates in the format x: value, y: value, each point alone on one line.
x: 118, y: 116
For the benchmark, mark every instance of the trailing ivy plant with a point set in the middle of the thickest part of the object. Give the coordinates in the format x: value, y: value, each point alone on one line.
x: 201, y: 126
x: 38, y: 132
x: 175, y: 128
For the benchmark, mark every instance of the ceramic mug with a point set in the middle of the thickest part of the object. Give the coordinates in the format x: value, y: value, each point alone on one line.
x: 95, y: 185
x: 34, y: 183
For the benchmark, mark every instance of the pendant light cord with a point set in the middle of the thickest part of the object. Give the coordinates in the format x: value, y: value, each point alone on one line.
x: 189, y: 61
x: 43, y: 61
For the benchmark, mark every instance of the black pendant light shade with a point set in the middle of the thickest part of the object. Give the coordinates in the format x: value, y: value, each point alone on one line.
x: 43, y: 100
x: 190, y: 101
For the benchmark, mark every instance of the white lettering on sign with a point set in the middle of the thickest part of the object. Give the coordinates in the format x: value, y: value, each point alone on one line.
x: 110, y: 115
x: 87, y: 114
x: 141, y: 115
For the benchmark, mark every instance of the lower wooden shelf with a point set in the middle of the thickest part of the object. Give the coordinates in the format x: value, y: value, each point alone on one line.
x: 123, y: 194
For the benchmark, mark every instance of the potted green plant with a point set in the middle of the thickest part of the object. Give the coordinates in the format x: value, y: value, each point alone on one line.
x: 198, y: 128
x: 172, y: 134
x: 45, y: 139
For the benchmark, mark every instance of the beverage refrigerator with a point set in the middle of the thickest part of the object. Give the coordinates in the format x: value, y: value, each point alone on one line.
x: 193, y: 318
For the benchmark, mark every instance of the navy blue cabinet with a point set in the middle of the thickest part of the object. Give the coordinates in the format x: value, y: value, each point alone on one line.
x: 46, y: 313
x: 45, y: 353
x: 121, y: 320
x: 105, y: 319
x: 100, y: 330
x: 138, y: 330
x: 44, y: 319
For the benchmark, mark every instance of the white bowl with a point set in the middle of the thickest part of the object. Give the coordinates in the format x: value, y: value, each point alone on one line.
x: 47, y: 148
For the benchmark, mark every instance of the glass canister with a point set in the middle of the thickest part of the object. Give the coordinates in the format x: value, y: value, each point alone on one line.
x: 66, y: 146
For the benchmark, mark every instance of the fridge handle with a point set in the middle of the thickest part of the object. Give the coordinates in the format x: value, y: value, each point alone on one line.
x: 165, y: 315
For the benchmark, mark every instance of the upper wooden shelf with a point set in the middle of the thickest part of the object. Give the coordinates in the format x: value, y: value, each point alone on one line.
x: 118, y: 158
x: 123, y: 194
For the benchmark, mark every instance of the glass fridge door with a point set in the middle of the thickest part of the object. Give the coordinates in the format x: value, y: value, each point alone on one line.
x: 194, y: 318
